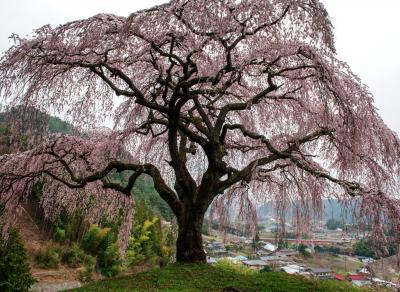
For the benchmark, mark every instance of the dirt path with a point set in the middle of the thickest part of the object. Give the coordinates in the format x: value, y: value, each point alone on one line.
x: 54, y: 287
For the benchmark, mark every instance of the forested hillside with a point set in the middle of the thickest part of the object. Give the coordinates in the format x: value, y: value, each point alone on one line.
x: 23, y: 128
x: 30, y: 118
x: 70, y: 247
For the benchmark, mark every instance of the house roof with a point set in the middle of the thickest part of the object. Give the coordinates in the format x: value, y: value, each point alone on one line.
x: 287, y: 253
x: 240, y: 258
x: 295, y: 267
x: 255, y: 263
x: 320, y: 270
x: 270, y: 258
x: 216, y: 244
x: 338, y: 277
x: 292, y: 269
x: 269, y: 246
x: 357, y: 277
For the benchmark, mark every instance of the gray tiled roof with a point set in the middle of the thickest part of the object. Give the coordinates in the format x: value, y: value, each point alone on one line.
x: 320, y: 270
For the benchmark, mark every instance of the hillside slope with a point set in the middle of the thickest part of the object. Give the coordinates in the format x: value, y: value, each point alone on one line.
x: 34, y: 240
x: 210, y: 278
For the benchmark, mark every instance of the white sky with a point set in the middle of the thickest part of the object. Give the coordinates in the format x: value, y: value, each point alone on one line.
x: 367, y: 36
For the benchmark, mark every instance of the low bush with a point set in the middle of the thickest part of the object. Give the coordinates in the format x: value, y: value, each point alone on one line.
x: 93, y: 240
x: 266, y: 269
x: 59, y: 235
x: 110, y: 261
x: 147, y: 242
x: 85, y: 274
x: 229, y: 266
x: 102, y: 243
x: 74, y: 256
x: 49, y: 258
x: 303, y: 250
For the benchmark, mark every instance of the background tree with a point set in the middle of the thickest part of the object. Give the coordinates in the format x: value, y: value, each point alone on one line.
x: 302, y: 248
x: 363, y: 248
x: 333, y: 224
x: 218, y: 101
x: 146, y: 237
x: 15, y: 272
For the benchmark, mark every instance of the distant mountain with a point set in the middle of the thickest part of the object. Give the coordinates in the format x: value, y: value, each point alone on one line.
x: 29, y: 118
x: 332, y: 208
x: 22, y: 128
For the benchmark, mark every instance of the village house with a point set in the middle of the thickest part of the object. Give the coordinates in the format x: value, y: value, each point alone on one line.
x: 274, y: 261
x: 321, y: 273
x: 216, y: 248
x: 287, y: 253
x: 270, y: 258
x: 269, y: 247
x: 216, y: 245
x: 359, y: 280
x: 292, y: 269
x: 237, y: 259
x: 255, y: 264
x: 366, y: 260
x: 240, y: 258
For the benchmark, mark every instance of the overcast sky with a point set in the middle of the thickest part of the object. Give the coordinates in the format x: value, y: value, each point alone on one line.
x: 367, y: 36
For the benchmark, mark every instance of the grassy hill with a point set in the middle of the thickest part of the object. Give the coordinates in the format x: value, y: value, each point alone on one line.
x: 214, y: 278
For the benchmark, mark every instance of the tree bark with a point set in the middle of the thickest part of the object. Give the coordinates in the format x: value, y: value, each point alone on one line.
x: 189, y: 245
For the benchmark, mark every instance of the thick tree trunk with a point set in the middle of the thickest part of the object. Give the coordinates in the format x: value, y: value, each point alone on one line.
x: 189, y: 245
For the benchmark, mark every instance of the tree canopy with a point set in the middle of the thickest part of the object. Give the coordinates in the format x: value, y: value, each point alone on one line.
x: 333, y: 224
x: 222, y: 102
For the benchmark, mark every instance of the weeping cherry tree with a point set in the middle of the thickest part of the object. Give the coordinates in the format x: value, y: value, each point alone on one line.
x: 222, y: 103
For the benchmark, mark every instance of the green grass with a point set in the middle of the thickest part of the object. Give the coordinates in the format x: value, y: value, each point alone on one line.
x: 214, y: 278
x: 3, y: 129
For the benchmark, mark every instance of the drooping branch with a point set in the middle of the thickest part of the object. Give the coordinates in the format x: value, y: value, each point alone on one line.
x: 58, y: 160
x: 286, y: 154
